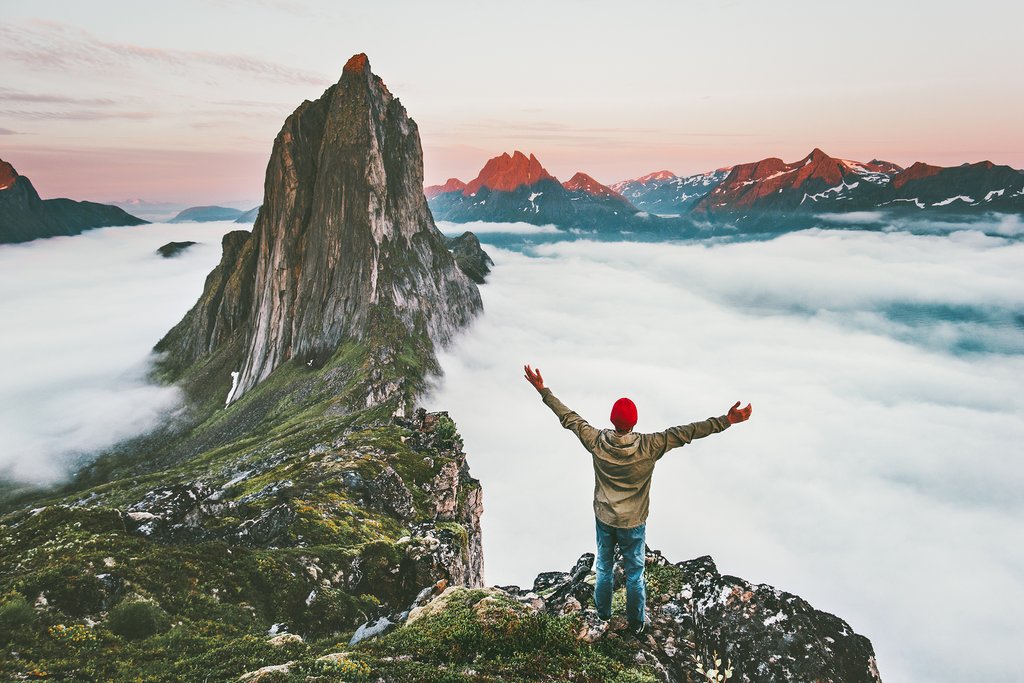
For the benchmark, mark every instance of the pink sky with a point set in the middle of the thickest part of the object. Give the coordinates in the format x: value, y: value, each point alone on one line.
x: 99, y: 101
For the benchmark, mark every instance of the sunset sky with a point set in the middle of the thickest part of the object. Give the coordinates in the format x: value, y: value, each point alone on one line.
x: 181, y: 101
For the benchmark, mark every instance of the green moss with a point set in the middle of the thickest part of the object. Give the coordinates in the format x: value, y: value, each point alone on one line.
x: 663, y: 580
x: 498, y: 639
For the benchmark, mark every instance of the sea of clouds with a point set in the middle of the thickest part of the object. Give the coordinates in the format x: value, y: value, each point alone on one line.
x: 880, y: 476
x: 80, y: 317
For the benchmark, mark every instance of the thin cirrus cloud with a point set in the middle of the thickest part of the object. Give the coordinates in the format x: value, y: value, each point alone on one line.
x: 878, y: 472
x: 88, y: 310
x: 77, y: 115
x: 48, y: 45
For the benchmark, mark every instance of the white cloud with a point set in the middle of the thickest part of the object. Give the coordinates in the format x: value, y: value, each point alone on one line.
x: 81, y: 315
x: 855, y: 217
x: 879, y: 476
x: 483, y: 228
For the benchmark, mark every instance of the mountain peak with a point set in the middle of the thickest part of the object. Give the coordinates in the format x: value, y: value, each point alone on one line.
x: 507, y: 173
x: 450, y: 185
x: 359, y: 63
x: 915, y: 171
x: 330, y: 262
x: 657, y: 175
x: 581, y: 182
x: 7, y: 175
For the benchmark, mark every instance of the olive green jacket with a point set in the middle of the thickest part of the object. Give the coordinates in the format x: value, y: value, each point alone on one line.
x: 624, y: 463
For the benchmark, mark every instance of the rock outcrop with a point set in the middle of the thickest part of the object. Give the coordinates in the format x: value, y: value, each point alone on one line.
x: 24, y: 216
x: 470, y: 256
x: 695, y: 615
x: 172, y: 249
x: 344, y: 249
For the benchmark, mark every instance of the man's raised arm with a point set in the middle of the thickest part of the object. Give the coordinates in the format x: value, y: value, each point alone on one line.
x: 586, y: 433
x: 684, y: 434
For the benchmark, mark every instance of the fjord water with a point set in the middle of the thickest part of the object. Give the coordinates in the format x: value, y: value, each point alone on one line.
x: 879, y: 477
x: 880, y: 474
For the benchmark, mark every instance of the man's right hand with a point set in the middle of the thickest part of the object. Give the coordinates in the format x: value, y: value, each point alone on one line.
x: 534, y: 378
x: 737, y: 414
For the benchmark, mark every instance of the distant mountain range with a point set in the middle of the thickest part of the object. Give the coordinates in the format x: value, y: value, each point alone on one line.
x: 757, y: 194
x: 517, y: 188
x: 24, y: 216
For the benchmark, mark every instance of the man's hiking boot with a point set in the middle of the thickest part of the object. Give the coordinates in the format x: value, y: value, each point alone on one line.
x: 637, y: 630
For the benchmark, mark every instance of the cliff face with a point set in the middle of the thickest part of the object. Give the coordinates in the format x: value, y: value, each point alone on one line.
x: 24, y: 216
x: 344, y: 250
x: 345, y: 232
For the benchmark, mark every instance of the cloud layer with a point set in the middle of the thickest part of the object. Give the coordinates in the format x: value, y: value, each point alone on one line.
x: 81, y: 315
x: 877, y: 478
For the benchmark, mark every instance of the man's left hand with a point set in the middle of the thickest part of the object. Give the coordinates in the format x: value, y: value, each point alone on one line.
x: 737, y: 414
x: 534, y: 378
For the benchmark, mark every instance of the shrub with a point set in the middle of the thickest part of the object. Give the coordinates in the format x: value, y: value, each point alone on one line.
x: 15, y: 615
x: 137, y: 619
x: 447, y: 433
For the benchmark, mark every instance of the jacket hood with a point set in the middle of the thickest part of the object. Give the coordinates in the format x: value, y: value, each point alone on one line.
x: 619, y: 445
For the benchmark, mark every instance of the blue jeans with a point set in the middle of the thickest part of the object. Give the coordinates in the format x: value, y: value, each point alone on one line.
x: 631, y: 544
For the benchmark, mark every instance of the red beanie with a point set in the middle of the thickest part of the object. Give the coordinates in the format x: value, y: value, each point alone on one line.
x: 624, y: 414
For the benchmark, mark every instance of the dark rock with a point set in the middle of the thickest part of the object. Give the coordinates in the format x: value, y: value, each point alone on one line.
x: 174, y: 248
x: 270, y: 526
x: 24, y: 216
x: 470, y: 256
x: 353, y: 481
x: 764, y: 634
x: 389, y: 493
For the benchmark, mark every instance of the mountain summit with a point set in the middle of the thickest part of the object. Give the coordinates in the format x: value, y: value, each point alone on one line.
x: 344, y: 250
x: 507, y: 173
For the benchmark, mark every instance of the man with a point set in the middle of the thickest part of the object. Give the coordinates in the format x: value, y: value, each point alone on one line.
x: 623, y: 464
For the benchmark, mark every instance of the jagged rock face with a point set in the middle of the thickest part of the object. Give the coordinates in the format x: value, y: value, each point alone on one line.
x: 470, y: 256
x: 24, y: 216
x: 222, y: 310
x: 344, y: 231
